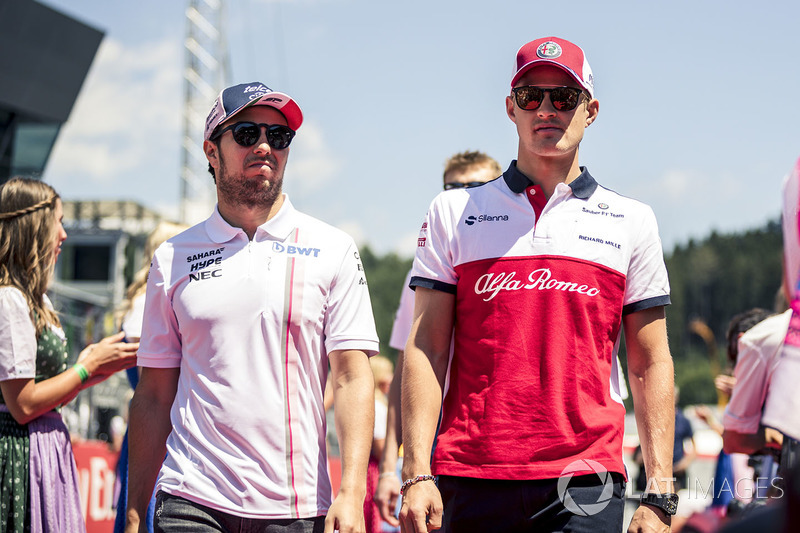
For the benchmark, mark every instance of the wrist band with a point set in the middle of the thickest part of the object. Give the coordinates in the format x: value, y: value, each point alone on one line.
x: 407, y: 483
x: 386, y: 474
x: 82, y: 372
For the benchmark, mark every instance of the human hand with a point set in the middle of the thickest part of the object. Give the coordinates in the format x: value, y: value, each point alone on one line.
x: 346, y: 514
x: 649, y: 519
x: 773, y: 438
x: 422, y: 508
x: 725, y: 384
x: 703, y: 413
x: 386, y: 495
x: 108, y: 356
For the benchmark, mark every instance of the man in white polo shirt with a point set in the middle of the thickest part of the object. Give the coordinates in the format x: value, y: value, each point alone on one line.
x: 244, y: 314
x: 538, y: 272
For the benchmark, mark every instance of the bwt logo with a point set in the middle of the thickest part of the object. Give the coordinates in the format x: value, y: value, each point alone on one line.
x: 294, y: 250
x: 485, y: 218
x: 582, y: 466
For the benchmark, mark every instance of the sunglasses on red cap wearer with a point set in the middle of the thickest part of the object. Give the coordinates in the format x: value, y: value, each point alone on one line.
x: 530, y: 97
x: 248, y: 133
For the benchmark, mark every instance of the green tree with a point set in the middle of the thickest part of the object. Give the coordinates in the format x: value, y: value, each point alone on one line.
x: 385, y: 276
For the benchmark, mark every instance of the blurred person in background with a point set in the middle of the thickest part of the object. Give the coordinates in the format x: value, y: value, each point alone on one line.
x: 382, y: 371
x: 129, y: 317
x: 462, y: 170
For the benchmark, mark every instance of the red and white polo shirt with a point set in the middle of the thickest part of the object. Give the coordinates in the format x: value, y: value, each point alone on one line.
x: 540, y: 287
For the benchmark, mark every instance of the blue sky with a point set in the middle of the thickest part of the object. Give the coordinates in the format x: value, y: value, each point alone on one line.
x: 698, y: 108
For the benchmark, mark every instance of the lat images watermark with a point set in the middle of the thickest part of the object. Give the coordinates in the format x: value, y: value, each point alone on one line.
x: 744, y: 488
x: 584, y: 466
x: 740, y: 489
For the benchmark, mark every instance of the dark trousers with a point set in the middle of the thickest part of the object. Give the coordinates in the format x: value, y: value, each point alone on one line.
x: 174, y: 514
x: 584, y: 504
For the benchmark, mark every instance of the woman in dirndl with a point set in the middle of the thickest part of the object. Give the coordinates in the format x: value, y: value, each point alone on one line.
x: 38, y: 477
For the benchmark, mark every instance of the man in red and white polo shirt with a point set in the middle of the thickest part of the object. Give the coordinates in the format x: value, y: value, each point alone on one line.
x: 538, y: 272
x: 244, y: 314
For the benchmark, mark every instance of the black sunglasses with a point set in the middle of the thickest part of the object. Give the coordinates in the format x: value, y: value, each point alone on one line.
x: 530, y: 97
x: 459, y: 185
x: 248, y: 133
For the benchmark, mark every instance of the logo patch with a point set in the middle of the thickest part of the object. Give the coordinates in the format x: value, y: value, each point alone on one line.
x: 470, y: 220
x: 601, y: 205
x: 549, y: 50
x: 290, y: 249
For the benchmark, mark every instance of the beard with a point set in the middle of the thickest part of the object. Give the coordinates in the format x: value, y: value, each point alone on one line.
x: 252, y: 192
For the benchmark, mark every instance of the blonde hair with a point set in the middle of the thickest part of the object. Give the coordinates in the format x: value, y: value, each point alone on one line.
x: 160, y: 233
x: 463, y: 161
x: 382, y: 372
x: 27, y: 238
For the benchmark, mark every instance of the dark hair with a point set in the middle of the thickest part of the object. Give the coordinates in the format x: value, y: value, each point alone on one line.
x: 741, y: 323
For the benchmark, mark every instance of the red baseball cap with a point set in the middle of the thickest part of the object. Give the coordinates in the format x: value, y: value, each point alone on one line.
x: 555, y: 51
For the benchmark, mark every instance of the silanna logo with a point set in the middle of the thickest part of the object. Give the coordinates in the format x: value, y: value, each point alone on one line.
x: 472, y: 219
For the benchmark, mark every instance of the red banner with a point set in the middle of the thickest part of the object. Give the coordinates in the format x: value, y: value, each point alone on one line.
x: 97, y: 479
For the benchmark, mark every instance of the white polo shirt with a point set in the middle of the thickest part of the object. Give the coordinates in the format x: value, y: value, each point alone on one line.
x: 540, y: 288
x: 250, y: 324
x: 757, y: 366
x: 403, y: 318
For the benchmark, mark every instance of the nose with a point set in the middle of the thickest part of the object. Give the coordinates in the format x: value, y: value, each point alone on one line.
x: 546, y: 108
x: 262, y: 145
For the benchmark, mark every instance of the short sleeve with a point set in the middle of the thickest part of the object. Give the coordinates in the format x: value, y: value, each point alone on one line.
x: 754, y: 368
x: 433, y: 262
x: 160, y: 345
x: 132, y: 323
x: 743, y: 412
x: 405, y: 315
x: 17, y: 336
x: 349, y: 324
x: 381, y: 410
x: 647, y: 283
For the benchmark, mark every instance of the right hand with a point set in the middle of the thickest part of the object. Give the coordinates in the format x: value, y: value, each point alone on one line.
x: 422, y: 508
x: 109, y: 355
x: 386, y: 495
x: 725, y: 383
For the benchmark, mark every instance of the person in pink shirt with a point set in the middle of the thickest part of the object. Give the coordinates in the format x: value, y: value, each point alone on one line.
x: 244, y: 315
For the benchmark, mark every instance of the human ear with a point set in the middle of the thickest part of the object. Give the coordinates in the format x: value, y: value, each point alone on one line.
x: 592, y: 108
x: 212, y: 153
x: 510, y: 109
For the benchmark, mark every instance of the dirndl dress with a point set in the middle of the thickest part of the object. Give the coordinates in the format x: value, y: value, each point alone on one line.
x: 39, y: 488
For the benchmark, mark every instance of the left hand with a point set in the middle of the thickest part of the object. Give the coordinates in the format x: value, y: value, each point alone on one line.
x: 386, y: 496
x: 649, y: 519
x: 346, y: 514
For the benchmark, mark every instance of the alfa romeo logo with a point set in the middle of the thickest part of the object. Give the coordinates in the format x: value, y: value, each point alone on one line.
x: 548, y: 50
x: 585, y: 509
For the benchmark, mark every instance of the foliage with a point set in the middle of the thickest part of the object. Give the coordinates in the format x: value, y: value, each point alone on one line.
x: 711, y: 281
x: 385, y: 276
x: 694, y: 378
